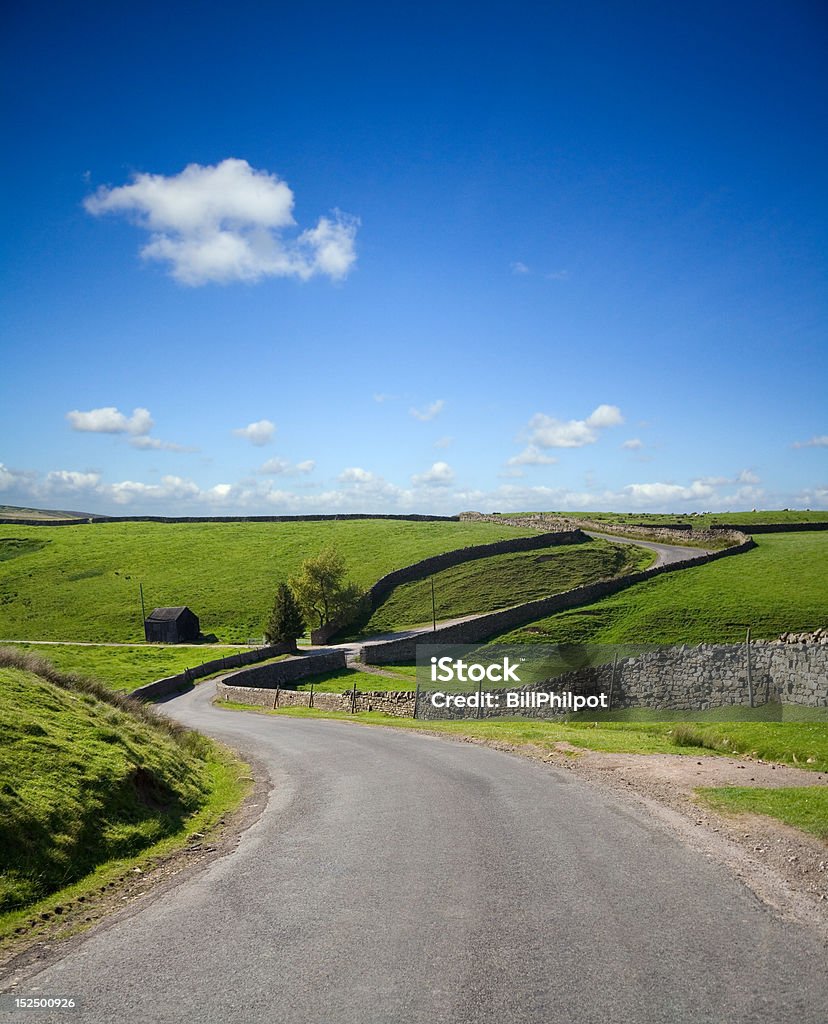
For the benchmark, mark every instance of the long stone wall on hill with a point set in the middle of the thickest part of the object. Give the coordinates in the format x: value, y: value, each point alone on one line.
x: 291, y: 670
x: 400, y: 703
x: 667, y: 534
x: 482, y: 627
x: 685, y: 679
x: 320, y: 518
x: 435, y: 563
x: 172, y: 684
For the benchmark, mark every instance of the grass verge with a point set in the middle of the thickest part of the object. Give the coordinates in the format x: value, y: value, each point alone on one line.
x: 806, y: 808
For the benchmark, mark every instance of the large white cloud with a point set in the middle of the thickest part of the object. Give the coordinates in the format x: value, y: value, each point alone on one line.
x: 549, y: 432
x: 226, y: 222
x: 110, y: 420
x: 258, y: 433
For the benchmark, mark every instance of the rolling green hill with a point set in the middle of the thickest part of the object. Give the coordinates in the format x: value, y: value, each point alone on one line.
x: 503, y: 580
x: 81, y: 582
x: 780, y: 585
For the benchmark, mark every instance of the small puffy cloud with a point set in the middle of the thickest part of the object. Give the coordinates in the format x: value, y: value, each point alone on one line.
x: 380, y: 397
x: 440, y: 475
x: 519, y: 268
x: 424, y: 415
x: 154, y: 444
x: 605, y: 416
x: 532, y: 456
x: 63, y: 479
x: 284, y: 467
x: 226, y: 222
x: 747, y: 476
x: 258, y: 433
x: 557, y: 275
x: 663, y: 493
x: 819, y: 441
x: 356, y: 475
x: 110, y: 420
x: 633, y: 444
x: 444, y: 442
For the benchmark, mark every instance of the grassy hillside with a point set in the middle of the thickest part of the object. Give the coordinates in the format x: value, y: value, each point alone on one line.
x: 81, y: 582
x: 503, y: 580
x: 778, y: 586
x: 85, y: 780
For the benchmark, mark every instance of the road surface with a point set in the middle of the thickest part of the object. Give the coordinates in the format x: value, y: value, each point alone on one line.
x: 398, y: 877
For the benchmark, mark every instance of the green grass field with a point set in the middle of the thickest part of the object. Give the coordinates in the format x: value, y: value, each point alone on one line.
x: 124, y: 668
x: 778, y: 586
x: 503, y: 580
x: 86, y: 781
x: 343, y: 680
x: 81, y: 582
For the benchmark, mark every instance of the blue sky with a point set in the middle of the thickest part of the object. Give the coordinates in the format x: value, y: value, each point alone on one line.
x: 271, y: 258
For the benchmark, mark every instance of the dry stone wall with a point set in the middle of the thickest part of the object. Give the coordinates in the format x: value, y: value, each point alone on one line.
x: 482, y: 627
x: 400, y: 703
x: 172, y: 684
x: 428, y: 566
x: 684, y: 679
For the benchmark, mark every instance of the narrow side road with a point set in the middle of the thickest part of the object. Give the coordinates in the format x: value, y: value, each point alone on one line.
x: 396, y: 877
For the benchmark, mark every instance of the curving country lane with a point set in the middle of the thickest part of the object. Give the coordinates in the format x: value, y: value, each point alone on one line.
x: 398, y: 877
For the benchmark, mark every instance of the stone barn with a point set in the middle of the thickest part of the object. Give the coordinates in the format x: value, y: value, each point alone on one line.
x: 171, y: 626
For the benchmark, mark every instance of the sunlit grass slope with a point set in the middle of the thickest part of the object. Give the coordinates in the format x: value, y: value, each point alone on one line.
x: 503, y: 580
x: 81, y: 582
x: 778, y: 586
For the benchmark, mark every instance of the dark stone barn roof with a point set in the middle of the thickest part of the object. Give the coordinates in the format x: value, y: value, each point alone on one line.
x: 167, y: 614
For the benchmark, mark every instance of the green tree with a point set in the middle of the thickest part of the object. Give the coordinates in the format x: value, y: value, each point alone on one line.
x: 286, y: 622
x: 322, y: 590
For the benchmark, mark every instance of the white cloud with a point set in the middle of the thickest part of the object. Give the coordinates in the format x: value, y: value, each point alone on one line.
x: 548, y: 432
x: 110, y: 420
x: 258, y: 433
x: 380, y: 397
x: 156, y: 445
x: 424, y: 415
x: 633, y: 444
x: 440, y: 475
x: 532, y: 456
x: 605, y: 416
x: 444, y: 442
x: 225, y: 223
x: 519, y: 268
x: 284, y: 467
x: 356, y: 475
x: 557, y: 275
x: 820, y: 441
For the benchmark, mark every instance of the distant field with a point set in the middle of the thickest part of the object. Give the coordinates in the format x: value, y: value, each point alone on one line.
x: 503, y: 580
x: 343, y: 680
x: 697, y: 521
x: 38, y: 514
x: 81, y: 582
x: 779, y: 586
x: 124, y: 668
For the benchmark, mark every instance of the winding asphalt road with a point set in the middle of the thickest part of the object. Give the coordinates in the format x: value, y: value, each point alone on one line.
x: 398, y: 877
